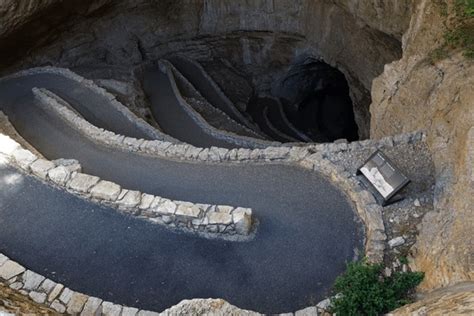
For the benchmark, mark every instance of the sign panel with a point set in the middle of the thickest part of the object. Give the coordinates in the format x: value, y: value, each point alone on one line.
x: 386, y: 178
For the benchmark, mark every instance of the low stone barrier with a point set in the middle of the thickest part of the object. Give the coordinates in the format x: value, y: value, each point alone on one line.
x: 64, y: 300
x: 217, y: 134
x: 311, y: 157
x: 156, y: 147
x: 215, y: 95
x: 277, y: 115
x: 187, y: 90
x: 274, y: 131
x: 213, y: 221
x: 56, y: 295
x: 93, y: 87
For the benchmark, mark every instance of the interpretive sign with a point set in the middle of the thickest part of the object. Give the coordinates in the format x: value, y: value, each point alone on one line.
x: 382, y: 173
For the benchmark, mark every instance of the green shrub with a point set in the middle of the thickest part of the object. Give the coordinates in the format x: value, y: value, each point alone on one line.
x: 403, y: 260
x: 462, y: 37
x: 459, y: 31
x: 366, y: 291
x: 465, y: 8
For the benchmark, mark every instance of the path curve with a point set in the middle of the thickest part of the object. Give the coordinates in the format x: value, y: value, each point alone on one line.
x: 307, y: 229
x: 179, y: 120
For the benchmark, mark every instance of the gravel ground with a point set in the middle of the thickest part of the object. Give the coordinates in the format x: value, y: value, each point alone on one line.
x: 401, y: 218
x: 14, y: 303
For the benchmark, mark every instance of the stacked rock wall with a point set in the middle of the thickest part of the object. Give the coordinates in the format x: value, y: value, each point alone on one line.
x: 208, y: 220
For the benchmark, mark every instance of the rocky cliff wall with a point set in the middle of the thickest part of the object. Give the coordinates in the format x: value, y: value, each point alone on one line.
x: 263, y: 38
x: 453, y: 300
x: 390, y: 17
x: 419, y: 92
x: 260, y: 38
x: 28, y: 24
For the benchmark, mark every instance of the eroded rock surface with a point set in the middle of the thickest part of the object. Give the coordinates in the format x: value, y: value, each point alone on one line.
x: 260, y: 40
x: 12, y: 302
x: 454, y: 300
x: 416, y: 93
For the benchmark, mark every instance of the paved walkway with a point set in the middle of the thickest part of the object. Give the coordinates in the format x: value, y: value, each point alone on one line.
x: 307, y: 230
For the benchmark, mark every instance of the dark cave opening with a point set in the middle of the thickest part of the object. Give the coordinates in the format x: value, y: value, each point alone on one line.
x: 315, y: 98
x: 325, y: 112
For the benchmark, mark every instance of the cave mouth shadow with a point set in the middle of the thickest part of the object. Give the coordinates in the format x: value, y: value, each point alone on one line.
x: 316, y: 99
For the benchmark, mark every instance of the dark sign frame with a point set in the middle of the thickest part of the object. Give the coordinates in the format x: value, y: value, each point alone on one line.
x: 392, y: 197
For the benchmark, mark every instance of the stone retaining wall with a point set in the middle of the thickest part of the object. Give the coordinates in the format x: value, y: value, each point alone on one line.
x: 187, y: 90
x: 157, y: 148
x: 230, y: 138
x: 212, y: 221
x: 311, y: 157
x: 218, y: 99
x: 278, y: 116
x: 57, y: 296
x: 64, y: 300
x: 274, y: 130
x: 66, y: 73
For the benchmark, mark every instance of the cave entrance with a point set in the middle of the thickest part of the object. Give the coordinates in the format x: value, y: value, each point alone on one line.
x: 316, y: 99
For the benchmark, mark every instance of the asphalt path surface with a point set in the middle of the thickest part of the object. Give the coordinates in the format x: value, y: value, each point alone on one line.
x: 307, y: 228
x: 172, y: 117
x: 196, y: 76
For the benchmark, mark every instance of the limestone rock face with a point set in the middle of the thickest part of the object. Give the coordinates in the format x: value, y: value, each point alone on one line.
x: 454, y: 300
x: 28, y: 23
x: 415, y: 93
x: 390, y: 17
x: 261, y: 39
x: 206, y: 307
x: 14, y: 303
x: 14, y: 14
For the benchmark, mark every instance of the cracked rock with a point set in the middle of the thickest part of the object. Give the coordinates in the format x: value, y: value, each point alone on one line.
x: 106, y: 190
x: 92, y: 306
x: 111, y: 309
x: 10, y: 269
x: 71, y: 164
x: 188, y: 210
x: 219, y: 218
x: 131, y: 199
x: 242, y: 218
x: 59, y: 175
x: 395, y: 242
x: 32, y: 280
x: 41, y: 167
x: 83, y: 182
x: 24, y: 158
x: 76, y: 303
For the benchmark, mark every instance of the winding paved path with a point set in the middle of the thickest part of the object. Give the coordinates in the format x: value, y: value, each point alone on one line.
x: 179, y: 120
x: 277, y: 116
x: 306, y: 234
x: 199, y: 78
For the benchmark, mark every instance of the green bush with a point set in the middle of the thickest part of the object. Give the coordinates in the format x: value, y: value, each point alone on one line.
x: 465, y: 8
x: 459, y: 31
x: 366, y: 291
x: 463, y: 35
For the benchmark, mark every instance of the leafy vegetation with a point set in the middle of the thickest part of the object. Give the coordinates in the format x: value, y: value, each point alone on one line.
x: 365, y: 290
x: 465, y: 8
x: 403, y: 260
x: 460, y: 29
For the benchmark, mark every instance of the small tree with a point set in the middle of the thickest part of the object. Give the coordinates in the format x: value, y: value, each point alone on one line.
x: 366, y: 291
